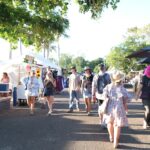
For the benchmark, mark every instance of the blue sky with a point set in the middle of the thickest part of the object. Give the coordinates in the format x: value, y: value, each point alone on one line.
x: 94, y: 38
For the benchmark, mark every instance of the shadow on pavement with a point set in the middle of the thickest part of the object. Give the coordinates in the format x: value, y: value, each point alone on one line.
x: 61, y: 131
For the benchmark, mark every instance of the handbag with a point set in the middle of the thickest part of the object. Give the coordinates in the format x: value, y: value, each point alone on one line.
x: 103, y: 106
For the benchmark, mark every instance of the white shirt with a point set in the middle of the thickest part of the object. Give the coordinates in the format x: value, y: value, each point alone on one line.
x: 74, y: 82
x: 32, y: 86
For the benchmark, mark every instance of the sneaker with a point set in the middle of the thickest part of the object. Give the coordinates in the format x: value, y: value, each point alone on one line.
x: 49, y: 113
x: 89, y: 114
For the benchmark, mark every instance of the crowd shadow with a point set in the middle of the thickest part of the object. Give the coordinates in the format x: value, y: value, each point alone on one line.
x: 57, y: 131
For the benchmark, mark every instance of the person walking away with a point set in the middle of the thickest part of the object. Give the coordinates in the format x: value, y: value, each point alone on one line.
x: 144, y: 94
x: 49, y: 85
x: 31, y: 90
x: 86, y: 88
x: 115, y: 116
x: 74, y: 88
x: 99, y: 82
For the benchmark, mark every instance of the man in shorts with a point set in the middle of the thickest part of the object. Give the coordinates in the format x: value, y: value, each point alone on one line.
x: 100, y: 80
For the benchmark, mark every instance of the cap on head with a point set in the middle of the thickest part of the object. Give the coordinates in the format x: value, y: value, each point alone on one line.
x: 102, y: 66
x: 87, y: 68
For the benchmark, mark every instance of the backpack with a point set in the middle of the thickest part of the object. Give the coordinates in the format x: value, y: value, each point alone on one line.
x: 146, y: 88
x: 102, y: 81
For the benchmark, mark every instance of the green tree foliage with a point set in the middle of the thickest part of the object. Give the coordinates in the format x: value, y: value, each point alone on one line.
x: 96, y: 7
x: 79, y: 62
x: 38, y: 22
x: 66, y: 61
x: 94, y: 64
x: 135, y: 39
x: 35, y: 22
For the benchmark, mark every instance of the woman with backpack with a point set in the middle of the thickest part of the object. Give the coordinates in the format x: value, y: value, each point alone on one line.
x: 86, y: 88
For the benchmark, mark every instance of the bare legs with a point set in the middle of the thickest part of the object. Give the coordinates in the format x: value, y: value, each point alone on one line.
x: 114, y: 133
x: 146, y: 122
x: 50, y: 100
x: 31, y: 103
x: 101, y: 118
x: 110, y: 131
x: 88, y: 105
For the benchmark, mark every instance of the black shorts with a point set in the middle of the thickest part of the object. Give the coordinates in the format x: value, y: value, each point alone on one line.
x: 48, y: 92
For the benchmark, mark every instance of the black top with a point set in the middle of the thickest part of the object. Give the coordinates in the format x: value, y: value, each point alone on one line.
x: 48, y: 84
x: 146, y: 87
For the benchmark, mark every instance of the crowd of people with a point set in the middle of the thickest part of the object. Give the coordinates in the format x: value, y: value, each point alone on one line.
x: 106, y: 89
x: 109, y: 92
x: 100, y: 87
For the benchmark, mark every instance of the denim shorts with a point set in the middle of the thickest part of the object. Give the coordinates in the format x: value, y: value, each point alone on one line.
x: 87, y: 94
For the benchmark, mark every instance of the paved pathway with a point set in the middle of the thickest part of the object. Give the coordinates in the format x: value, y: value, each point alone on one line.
x: 63, y: 131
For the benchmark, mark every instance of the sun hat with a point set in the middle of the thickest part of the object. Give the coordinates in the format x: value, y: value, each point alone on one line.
x: 117, y: 76
x: 147, y: 71
x: 87, y: 68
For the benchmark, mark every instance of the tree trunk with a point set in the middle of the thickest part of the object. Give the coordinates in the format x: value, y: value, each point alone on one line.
x: 10, y: 51
x: 48, y: 51
x: 44, y: 51
x: 20, y: 47
x: 58, y: 51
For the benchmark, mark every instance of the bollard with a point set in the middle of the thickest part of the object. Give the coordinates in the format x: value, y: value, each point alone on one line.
x: 14, y: 96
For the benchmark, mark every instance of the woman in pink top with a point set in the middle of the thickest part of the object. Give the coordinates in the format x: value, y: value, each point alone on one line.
x: 5, y: 78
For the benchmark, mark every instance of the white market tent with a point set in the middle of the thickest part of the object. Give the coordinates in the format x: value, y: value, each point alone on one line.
x: 16, y: 68
x: 42, y: 61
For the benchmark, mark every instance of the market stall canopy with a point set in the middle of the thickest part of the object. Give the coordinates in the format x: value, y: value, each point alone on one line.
x: 142, y: 53
x: 45, y: 62
x: 40, y: 60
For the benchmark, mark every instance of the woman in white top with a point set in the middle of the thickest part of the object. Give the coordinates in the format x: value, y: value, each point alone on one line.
x: 32, y: 90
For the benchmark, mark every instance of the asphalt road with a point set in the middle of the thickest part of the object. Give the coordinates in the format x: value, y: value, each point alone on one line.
x: 67, y: 131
